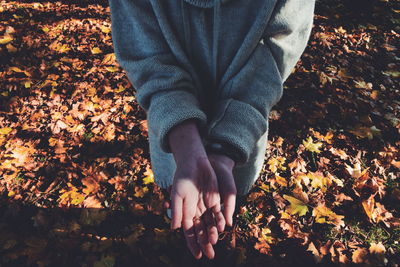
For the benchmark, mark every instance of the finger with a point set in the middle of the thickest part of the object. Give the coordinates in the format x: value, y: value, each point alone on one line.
x: 202, y: 238
x: 188, y: 229
x: 189, y: 211
x: 211, y: 194
x: 211, y: 227
x: 229, y: 208
x: 176, y: 209
x: 220, y: 221
x: 191, y: 239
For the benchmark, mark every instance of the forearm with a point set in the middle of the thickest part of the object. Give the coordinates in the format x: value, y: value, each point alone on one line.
x: 186, y: 142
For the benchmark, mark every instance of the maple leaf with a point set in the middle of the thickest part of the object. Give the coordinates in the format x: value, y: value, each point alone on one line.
x: 377, y: 212
x: 296, y: 206
x: 326, y: 138
x: 297, y: 165
x: 149, y: 176
x: 319, y: 181
x: 323, y: 214
x: 71, y: 196
x: 22, y: 154
x: 310, y: 146
x: 91, y: 185
x: 276, y: 163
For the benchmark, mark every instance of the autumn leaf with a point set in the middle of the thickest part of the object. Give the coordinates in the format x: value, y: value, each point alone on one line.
x: 71, y: 196
x: 6, y: 39
x: 377, y: 248
x: 276, y: 163
x: 297, y: 165
x: 355, y: 171
x: 365, y: 132
x: 359, y: 255
x: 140, y: 191
x: 319, y: 181
x: 310, y: 146
x: 105, y: 29
x: 5, y: 130
x: 96, y: 50
x: 149, y: 176
x: 323, y: 214
x: 296, y: 206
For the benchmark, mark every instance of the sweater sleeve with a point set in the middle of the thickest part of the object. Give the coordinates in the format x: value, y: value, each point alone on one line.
x: 242, y: 115
x: 163, y: 88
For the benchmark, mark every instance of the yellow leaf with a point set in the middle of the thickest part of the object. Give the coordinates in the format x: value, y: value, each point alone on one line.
x: 280, y: 180
x: 112, y: 69
x: 140, y: 191
x: 105, y: 29
x: 296, y: 206
x: 5, y: 130
x: 265, y: 187
x: 96, y: 50
x: 276, y: 163
x: 149, y: 176
x: 266, y: 235
x: 16, y: 16
x: 310, y: 146
x: 120, y: 89
x: 6, y: 39
x: 319, y: 181
x: 45, y: 29
x: 11, y: 193
x: 27, y: 84
x: 109, y: 59
x: 323, y: 214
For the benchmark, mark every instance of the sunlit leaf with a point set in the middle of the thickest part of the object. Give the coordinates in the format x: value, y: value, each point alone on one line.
x: 6, y: 39
x: 296, y: 206
x: 312, y: 147
x: 323, y: 214
x: 96, y: 50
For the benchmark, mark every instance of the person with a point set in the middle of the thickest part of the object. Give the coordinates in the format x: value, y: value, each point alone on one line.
x: 207, y: 73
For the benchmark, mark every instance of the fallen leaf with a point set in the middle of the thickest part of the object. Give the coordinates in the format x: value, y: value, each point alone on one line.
x: 296, y: 206
x: 310, y: 146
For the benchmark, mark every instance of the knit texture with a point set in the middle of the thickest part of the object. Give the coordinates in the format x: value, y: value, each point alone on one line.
x: 259, y: 44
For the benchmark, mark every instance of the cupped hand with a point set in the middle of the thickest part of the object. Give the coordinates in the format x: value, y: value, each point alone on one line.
x: 195, y: 191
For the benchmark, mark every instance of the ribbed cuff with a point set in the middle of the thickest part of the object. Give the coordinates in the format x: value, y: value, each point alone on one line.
x: 238, y: 124
x: 169, y: 108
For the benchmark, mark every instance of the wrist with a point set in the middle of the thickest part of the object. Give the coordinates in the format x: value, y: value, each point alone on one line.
x: 223, y: 159
x: 229, y: 152
x: 185, y: 141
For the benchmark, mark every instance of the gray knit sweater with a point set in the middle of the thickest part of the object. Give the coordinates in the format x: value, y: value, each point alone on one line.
x: 221, y: 62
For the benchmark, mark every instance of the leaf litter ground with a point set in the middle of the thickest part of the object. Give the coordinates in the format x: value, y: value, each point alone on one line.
x: 76, y: 183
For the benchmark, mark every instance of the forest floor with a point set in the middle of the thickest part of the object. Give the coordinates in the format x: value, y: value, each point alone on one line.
x: 76, y: 184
